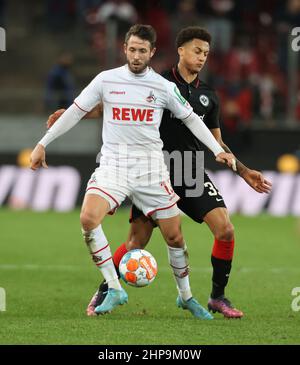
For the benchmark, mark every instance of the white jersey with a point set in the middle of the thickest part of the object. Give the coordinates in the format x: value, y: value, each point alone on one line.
x: 133, y: 107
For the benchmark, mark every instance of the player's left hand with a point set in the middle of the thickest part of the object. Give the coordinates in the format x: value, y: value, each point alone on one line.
x: 53, y: 117
x: 227, y: 158
x: 257, y: 181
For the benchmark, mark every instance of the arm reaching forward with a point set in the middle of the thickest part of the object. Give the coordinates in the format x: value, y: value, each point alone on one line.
x: 200, y: 130
x: 84, y: 103
x: 65, y: 122
x: 93, y: 114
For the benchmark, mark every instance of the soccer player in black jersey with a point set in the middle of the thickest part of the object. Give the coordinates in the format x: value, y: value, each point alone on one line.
x: 193, y: 48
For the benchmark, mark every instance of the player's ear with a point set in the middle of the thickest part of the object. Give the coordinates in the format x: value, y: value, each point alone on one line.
x: 180, y: 51
x: 153, y: 50
x: 125, y: 48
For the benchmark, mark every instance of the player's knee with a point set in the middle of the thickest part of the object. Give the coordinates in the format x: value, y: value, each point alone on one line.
x: 174, y: 239
x: 88, y: 221
x: 225, y: 232
x: 132, y: 245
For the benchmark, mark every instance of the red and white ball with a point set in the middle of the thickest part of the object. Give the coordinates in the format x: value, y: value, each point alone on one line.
x: 138, y: 268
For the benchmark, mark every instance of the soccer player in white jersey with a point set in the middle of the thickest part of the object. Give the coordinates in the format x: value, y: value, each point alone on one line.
x: 132, y: 163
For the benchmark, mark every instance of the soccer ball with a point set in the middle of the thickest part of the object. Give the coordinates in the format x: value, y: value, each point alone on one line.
x: 138, y: 268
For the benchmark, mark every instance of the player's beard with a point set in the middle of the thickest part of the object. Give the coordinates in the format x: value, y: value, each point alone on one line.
x: 139, y: 67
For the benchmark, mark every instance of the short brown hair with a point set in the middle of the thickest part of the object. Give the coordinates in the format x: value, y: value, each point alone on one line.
x: 145, y: 32
x: 189, y: 33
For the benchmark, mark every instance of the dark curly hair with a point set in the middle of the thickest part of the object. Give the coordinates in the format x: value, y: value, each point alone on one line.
x: 189, y: 33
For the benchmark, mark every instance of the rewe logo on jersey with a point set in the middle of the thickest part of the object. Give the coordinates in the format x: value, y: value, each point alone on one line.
x: 134, y: 115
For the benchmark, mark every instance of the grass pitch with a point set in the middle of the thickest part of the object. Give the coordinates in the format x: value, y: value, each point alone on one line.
x: 49, y: 278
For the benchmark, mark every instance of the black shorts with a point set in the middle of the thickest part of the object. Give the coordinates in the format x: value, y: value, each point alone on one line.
x: 195, y: 207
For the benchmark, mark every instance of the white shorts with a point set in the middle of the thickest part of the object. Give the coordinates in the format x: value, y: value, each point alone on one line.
x: 156, y: 200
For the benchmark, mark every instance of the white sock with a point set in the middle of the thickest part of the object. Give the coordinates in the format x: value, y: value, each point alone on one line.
x: 101, y: 255
x: 178, y: 259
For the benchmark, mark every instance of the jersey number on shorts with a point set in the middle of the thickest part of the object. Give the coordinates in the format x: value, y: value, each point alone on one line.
x: 213, y: 191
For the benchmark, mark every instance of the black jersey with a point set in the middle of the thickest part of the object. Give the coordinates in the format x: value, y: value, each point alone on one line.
x: 204, y: 101
x: 177, y: 137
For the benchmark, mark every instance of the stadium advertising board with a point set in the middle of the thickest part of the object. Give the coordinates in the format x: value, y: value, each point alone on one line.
x: 61, y: 188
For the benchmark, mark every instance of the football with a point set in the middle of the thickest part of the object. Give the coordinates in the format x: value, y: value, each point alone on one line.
x: 138, y: 268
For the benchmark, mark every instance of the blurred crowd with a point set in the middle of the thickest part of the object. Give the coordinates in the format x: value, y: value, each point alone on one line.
x: 248, y: 62
x: 249, y: 54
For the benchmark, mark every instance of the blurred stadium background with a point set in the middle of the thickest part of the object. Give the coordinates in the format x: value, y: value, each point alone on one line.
x: 53, y: 49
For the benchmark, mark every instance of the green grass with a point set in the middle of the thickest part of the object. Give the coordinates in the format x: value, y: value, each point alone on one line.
x: 49, y: 278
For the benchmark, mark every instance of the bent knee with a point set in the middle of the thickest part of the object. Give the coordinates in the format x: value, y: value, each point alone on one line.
x: 225, y: 232
x: 135, y: 244
x: 174, y: 239
x: 88, y: 221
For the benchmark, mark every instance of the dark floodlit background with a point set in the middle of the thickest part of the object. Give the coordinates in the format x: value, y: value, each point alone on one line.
x: 54, y: 48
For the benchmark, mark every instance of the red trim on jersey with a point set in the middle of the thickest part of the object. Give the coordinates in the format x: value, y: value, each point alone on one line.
x: 94, y: 253
x: 113, y: 211
x: 174, y: 74
x: 223, y: 249
x: 164, y: 185
x: 93, y: 187
x: 155, y: 210
x: 80, y: 108
x: 187, y: 116
x: 100, y: 263
x: 184, y: 82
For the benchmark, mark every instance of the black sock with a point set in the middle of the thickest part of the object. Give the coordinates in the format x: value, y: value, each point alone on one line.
x: 103, y: 286
x: 117, y: 270
x: 221, y: 271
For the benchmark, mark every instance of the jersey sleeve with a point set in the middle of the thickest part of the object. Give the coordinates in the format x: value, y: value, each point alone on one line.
x: 213, y: 117
x: 176, y: 103
x: 91, y: 95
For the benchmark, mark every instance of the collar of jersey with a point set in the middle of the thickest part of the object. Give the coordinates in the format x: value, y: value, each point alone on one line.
x: 137, y: 76
x: 182, y: 81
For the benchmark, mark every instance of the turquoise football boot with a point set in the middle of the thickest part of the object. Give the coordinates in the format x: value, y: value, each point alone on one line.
x: 194, y: 307
x: 113, y: 298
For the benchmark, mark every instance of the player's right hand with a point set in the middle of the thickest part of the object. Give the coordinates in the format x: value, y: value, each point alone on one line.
x: 53, y: 117
x: 38, y: 157
x: 228, y: 159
